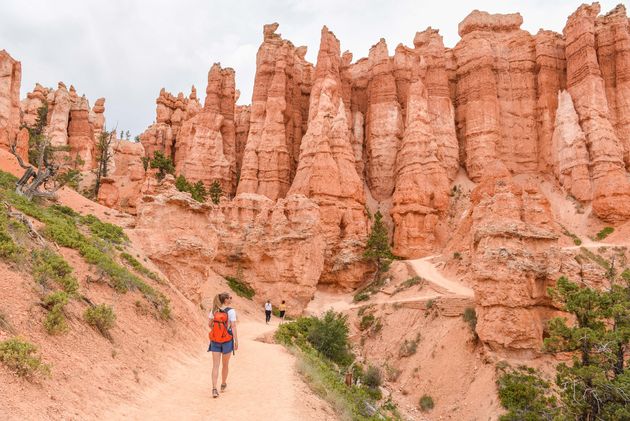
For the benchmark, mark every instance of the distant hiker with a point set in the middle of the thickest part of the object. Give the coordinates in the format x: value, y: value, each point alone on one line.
x: 283, y: 309
x: 223, y: 338
x: 268, y: 309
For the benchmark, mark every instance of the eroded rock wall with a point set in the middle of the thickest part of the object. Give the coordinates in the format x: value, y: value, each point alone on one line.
x: 278, y: 116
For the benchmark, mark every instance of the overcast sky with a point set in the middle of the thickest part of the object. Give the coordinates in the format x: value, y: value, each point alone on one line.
x: 126, y: 50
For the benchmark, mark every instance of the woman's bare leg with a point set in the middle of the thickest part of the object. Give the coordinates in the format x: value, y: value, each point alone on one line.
x: 216, y: 360
x: 225, y: 367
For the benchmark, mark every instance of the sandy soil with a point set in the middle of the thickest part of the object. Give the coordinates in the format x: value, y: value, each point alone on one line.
x: 262, y: 382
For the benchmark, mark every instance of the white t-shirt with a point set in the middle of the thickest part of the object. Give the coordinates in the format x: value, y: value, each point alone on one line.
x: 268, y: 306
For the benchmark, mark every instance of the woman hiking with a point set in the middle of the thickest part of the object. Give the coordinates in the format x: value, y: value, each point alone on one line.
x: 223, y: 338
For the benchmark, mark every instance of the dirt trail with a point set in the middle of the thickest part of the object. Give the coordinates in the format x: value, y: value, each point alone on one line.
x: 262, y: 384
x: 325, y: 300
x: 427, y: 270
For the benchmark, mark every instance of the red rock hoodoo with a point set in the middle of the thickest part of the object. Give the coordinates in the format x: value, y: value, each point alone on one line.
x: 468, y: 149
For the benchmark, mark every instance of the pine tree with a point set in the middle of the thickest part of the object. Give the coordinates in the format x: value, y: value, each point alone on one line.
x: 215, y: 192
x: 597, y: 384
x: 378, y: 250
x: 163, y: 164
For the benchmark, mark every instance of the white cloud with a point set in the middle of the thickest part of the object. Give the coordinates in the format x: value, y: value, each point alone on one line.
x: 126, y: 50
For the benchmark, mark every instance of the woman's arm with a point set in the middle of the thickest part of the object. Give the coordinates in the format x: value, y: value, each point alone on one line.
x: 234, y: 335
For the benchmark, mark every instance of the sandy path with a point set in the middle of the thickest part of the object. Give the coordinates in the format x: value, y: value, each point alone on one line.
x: 262, y: 384
x: 327, y: 300
x: 427, y: 270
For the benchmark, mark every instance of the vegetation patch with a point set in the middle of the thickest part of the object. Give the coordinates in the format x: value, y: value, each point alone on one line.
x: 377, y: 250
x: 22, y: 358
x: 101, y: 317
x: 366, y: 321
x: 426, y: 403
x: 104, y: 230
x: 324, y: 358
x: 161, y: 163
x: 416, y: 280
x: 605, y: 232
x: 601, y: 261
x: 525, y: 395
x: 197, y: 190
x: 240, y: 288
x: 55, y: 322
x: 409, y: 347
x: 140, y: 268
x: 49, y: 266
x: 576, y: 240
x: 93, y: 239
x: 470, y: 317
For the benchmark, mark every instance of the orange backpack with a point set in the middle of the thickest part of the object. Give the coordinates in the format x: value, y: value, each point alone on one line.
x: 220, y: 332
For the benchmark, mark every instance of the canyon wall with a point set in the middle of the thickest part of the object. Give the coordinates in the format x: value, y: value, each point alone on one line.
x: 323, y: 146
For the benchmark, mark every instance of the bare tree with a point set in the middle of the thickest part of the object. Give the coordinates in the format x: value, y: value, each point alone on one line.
x: 36, y: 181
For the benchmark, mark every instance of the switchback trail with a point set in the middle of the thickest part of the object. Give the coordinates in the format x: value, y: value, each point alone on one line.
x: 262, y: 384
x: 423, y: 267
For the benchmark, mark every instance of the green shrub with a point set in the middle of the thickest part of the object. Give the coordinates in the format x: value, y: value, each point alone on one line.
x: 605, y: 232
x: 408, y: 348
x: 55, y: 321
x: 392, y: 373
x: 366, y: 321
x: 329, y: 335
x: 294, y: 333
x: 163, y: 164
x: 7, y: 180
x: 470, y: 317
x: 457, y: 256
x: 21, y: 357
x: 104, y: 230
x: 373, y: 377
x: 197, y: 190
x: 9, y: 250
x: 215, y: 192
x: 426, y: 403
x: 240, y: 288
x: 595, y: 258
x: 416, y: 280
x: 64, y: 210
x: 50, y: 266
x: 525, y: 395
x: 140, y: 268
x: 361, y: 296
x: 430, y: 304
x: 101, y: 317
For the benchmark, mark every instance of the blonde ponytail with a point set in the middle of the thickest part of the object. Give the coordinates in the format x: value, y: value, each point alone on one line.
x: 219, y: 300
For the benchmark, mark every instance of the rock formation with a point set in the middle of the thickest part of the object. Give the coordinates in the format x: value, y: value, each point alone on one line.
x: 496, y: 95
x: 322, y: 146
x: 276, y: 246
x: 10, y: 78
x: 422, y: 185
x: 611, y: 188
x: 242, y: 115
x: 71, y: 123
x: 122, y: 186
x: 569, y: 153
x: 384, y: 123
x: 205, y: 146
x: 514, y: 259
x: 612, y: 37
x: 326, y: 171
x: 278, y: 116
x: 171, y: 112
